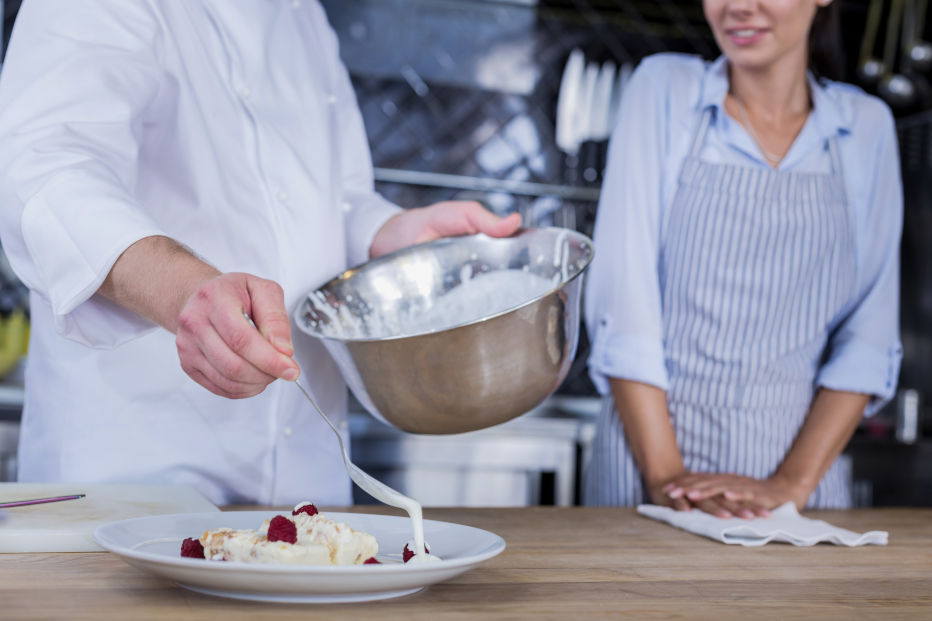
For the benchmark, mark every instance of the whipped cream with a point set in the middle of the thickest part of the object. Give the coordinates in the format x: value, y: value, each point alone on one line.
x: 320, y: 541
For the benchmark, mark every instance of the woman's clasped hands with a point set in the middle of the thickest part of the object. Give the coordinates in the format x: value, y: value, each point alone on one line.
x: 727, y: 495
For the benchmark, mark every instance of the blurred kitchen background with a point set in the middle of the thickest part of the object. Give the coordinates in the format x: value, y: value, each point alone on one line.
x: 510, y: 102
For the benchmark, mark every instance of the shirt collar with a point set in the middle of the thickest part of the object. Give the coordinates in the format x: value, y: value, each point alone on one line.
x: 828, y: 115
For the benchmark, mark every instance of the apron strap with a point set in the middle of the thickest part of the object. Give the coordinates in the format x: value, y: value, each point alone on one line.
x: 699, y: 136
x: 838, y: 173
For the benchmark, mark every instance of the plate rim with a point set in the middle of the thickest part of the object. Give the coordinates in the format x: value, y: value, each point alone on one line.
x: 497, y: 546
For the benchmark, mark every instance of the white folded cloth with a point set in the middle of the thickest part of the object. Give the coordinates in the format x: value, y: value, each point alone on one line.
x: 784, y: 524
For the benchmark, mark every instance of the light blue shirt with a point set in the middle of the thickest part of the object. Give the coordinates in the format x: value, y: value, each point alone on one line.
x: 658, y: 117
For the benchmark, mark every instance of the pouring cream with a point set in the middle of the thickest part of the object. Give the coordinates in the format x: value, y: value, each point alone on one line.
x: 380, y: 491
x: 374, y: 487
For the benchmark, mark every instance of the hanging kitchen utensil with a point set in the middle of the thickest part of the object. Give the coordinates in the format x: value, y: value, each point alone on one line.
x: 601, y: 122
x: 586, y: 123
x: 568, y: 102
x: 567, y: 106
x: 870, y: 68
x: 897, y: 89
x: 918, y: 52
x: 914, y: 47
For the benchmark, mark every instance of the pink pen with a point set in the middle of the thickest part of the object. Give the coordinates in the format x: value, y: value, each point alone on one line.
x: 38, y: 501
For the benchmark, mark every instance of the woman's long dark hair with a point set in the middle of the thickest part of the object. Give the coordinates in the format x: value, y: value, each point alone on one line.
x: 826, y: 57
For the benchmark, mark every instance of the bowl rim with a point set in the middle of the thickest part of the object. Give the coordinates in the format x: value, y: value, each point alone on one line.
x: 581, y: 237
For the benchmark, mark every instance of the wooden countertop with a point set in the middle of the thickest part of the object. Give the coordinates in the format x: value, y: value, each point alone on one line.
x: 560, y: 563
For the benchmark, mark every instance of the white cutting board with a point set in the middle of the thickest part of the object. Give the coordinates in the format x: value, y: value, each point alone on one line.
x: 68, y: 526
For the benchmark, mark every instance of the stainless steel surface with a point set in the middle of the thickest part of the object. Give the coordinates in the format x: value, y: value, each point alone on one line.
x: 470, y: 376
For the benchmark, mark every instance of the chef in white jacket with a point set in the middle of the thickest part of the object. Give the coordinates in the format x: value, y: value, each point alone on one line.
x: 166, y: 165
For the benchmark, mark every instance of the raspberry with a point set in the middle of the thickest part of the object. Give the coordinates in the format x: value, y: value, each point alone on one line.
x: 307, y: 508
x: 282, y: 529
x: 192, y: 548
x: 407, y: 554
x: 372, y: 561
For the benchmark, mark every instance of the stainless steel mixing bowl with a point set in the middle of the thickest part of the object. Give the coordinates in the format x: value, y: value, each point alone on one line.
x: 464, y: 377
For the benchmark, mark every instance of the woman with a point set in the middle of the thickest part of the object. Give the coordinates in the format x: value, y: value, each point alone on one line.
x: 744, y: 297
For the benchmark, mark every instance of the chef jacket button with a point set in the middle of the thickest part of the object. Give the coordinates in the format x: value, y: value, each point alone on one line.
x: 287, y: 431
x: 332, y: 99
x: 244, y: 91
x: 344, y: 425
x: 282, y: 196
x: 346, y: 207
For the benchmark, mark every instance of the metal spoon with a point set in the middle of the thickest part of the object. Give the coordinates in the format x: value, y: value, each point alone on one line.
x: 374, y: 487
x: 368, y: 484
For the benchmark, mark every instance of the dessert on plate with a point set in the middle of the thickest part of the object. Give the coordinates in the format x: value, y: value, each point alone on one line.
x: 306, y: 537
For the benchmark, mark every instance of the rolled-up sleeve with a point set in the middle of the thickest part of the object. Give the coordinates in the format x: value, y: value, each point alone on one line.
x: 864, y: 349
x: 365, y: 209
x: 77, y: 79
x: 623, y: 302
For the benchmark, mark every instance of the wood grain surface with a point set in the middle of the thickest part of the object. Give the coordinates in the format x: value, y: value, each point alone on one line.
x: 560, y: 563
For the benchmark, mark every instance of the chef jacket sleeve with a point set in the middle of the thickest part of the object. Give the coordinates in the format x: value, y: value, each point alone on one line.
x: 622, y: 303
x: 864, y: 350
x: 77, y: 77
x: 365, y: 209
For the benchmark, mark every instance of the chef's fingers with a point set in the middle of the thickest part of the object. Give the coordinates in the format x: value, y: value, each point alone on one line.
x: 252, y: 353
x: 202, y: 349
x: 463, y: 218
x: 209, y: 356
x: 201, y: 371
x: 484, y: 221
x: 267, y: 310
x: 241, y: 354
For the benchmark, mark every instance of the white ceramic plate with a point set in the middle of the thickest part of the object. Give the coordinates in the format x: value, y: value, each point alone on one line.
x: 153, y: 544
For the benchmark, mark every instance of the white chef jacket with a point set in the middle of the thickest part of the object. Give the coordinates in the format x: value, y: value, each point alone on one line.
x: 231, y: 127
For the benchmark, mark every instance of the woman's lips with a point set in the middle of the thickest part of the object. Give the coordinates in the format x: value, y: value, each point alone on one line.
x: 745, y: 36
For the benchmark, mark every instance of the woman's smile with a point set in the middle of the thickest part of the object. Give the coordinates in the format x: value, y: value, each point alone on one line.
x: 744, y: 36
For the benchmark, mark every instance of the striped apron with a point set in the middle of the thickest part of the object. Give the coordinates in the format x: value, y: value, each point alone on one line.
x: 756, y: 265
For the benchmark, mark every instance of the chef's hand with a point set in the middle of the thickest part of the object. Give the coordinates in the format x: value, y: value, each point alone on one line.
x: 445, y: 219
x: 735, y: 494
x: 221, y: 350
